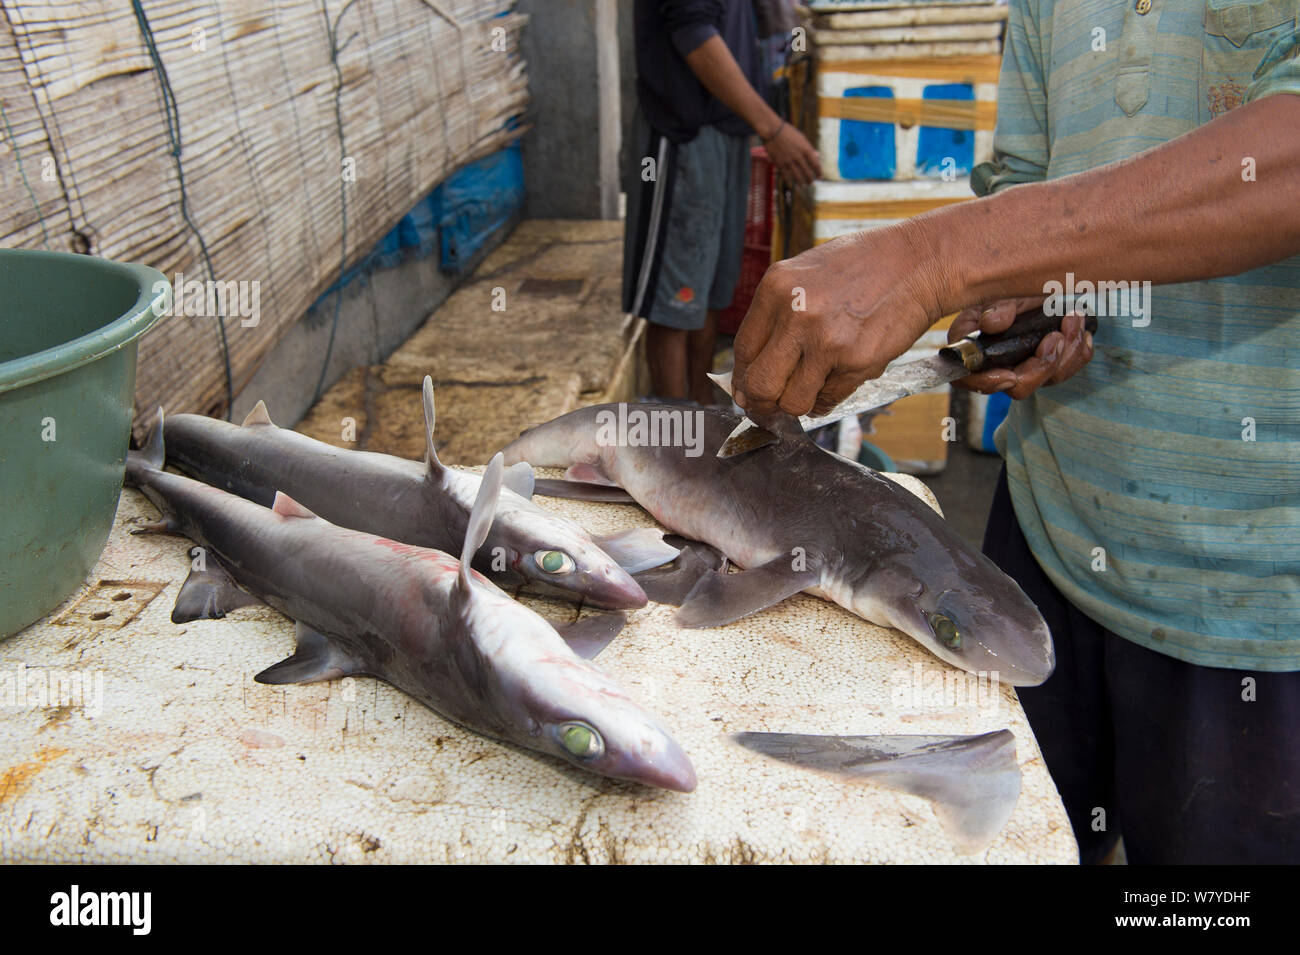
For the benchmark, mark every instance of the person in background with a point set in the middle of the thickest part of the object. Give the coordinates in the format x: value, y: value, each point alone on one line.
x: 1150, y: 502
x: 700, y: 94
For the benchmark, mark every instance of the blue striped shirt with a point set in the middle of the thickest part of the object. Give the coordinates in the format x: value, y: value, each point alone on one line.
x: 1159, y: 488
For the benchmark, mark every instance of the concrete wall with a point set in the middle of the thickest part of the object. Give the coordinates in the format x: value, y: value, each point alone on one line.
x: 571, y: 162
x: 626, y: 92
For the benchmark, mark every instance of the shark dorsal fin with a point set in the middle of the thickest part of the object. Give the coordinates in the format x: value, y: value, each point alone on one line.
x: 435, y: 466
x: 480, y: 518
x: 286, y: 506
x: 258, y: 416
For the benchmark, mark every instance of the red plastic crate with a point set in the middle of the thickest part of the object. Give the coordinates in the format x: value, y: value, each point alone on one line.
x: 758, y: 239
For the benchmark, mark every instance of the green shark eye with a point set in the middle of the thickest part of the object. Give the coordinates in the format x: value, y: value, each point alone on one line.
x: 581, y: 740
x: 554, y: 561
x: 946, y: 631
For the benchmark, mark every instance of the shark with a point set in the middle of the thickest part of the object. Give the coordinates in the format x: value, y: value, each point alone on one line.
x: 422, y: 503
x: 796, y: 518
x: 414, y: 617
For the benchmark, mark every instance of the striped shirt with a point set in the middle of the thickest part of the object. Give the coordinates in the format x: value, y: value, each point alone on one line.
x: 1159, y: 488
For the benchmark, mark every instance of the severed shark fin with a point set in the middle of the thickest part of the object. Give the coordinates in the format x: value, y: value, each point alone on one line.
x: 431, y: 452
x: 519, y: 478
x: 973, y: 782
x: 315, y: 658
x: 209, y: 594
x: 638, y: 549
x: 480, y: 517
x: 671, y: 582
x: 259, y: 416
x: 590, y: 634
x: 581, y: 491
x: 286, y: 506
x: 719, y: 598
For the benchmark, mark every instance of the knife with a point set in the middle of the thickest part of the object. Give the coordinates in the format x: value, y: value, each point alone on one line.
x: 964, y: 357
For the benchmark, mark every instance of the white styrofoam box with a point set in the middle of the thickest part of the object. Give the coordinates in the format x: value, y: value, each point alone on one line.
x: 906, y: 119
x: 882, y: 15
x: 852, y: 53
x: 839, y: 208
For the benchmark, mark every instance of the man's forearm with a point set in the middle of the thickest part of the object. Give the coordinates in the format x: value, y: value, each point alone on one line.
x: 1179, y: 212
x: 715, y: 67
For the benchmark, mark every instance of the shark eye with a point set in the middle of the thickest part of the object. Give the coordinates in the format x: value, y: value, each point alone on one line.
x: 554, y: 561
x: 581, y: 740
x: 946, y: 631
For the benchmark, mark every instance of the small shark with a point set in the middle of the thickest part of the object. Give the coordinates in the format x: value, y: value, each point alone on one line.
x: 797, y: 518
x: 412, y: 616
x: 425, y: 504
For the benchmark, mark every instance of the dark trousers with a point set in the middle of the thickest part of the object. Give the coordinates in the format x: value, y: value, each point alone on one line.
x: 1194, y: 764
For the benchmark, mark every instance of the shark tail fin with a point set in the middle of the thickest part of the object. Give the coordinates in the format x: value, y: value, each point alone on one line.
x: 148, y: 458
x: 480, y: 518
x: 435, y: 466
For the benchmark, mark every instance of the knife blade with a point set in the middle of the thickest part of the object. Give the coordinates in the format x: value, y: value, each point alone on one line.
x: 964, y: 357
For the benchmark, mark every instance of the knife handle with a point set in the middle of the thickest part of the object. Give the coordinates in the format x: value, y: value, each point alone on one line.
x: 1009, y: 348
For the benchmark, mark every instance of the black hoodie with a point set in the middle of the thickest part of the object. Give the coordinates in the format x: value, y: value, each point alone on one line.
x: 674, y: 102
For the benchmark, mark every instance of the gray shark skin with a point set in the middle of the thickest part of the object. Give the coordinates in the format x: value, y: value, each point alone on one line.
x: 414, y: 617
x: 973, y: 782
x: 799, y: 518
x: 425, y: 504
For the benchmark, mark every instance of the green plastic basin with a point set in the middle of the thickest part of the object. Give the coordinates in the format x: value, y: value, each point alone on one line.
x: 69, y: 330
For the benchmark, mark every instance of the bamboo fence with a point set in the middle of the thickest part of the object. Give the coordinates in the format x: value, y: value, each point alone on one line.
x: 271, y: 141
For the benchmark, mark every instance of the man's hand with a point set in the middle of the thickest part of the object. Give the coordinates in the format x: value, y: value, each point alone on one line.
x: 793, y: 155
x: 1060, y: 354
x: 825, y: 321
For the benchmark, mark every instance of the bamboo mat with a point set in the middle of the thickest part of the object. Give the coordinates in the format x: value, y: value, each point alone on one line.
x: 266, y: 120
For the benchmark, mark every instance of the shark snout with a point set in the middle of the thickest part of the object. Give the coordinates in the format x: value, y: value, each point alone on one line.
x: 664, y: 765
x: 613, y: 589
x: 1029, y: 658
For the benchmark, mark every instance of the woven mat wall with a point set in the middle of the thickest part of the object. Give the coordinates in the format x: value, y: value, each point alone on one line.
x: 264, y: 116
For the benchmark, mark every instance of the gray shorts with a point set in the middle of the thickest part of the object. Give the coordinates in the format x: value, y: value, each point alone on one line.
x: 685, y: 225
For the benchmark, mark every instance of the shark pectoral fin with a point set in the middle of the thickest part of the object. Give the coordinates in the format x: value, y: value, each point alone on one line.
x: 720, y: 598
x: 588, y: 635
x: 258, y: 416
x: 670, y: 583
x: 481, y: 515
x: 519, y: 478
x: 588, y: 474
x: 313, y: 660
x: 580, y: 491
x: 638, y: 549
x: 209, y: 594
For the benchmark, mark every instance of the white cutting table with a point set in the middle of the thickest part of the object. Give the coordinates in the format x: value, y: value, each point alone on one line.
x: 185, y: 758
